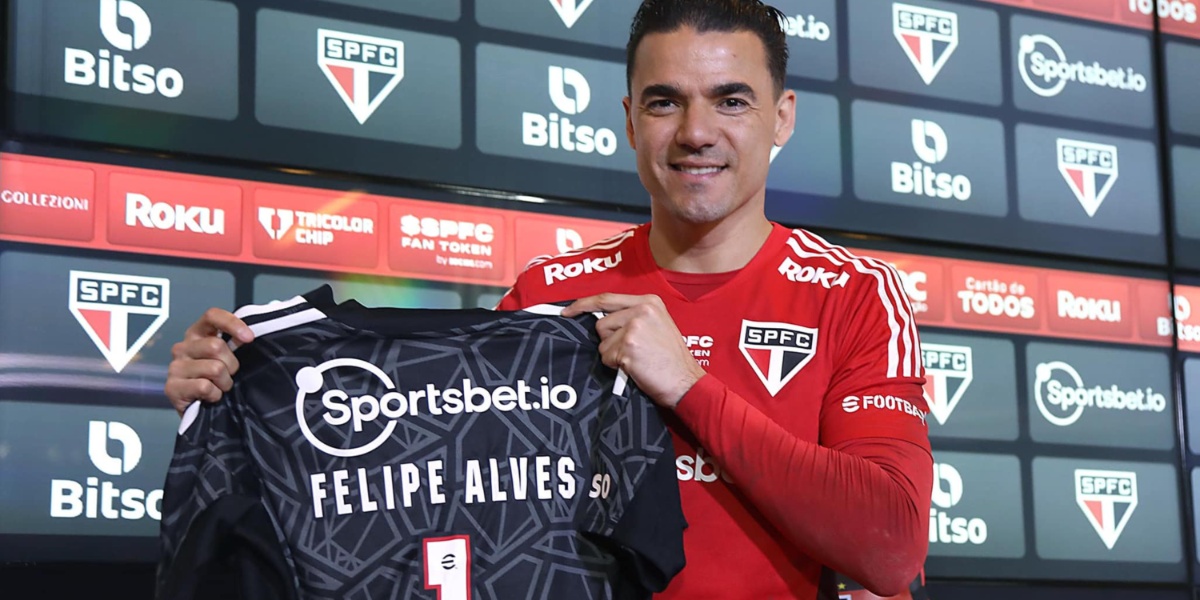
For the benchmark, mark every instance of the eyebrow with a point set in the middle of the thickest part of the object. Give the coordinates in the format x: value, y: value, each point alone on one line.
x: 664, y: 90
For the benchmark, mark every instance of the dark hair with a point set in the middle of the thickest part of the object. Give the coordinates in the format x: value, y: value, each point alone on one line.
x: 665, y: 16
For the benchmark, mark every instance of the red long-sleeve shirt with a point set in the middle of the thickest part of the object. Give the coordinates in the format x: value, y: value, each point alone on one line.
x: 805, y: 445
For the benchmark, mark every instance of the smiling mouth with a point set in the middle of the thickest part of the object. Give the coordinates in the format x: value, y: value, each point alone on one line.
x: 697, y: 170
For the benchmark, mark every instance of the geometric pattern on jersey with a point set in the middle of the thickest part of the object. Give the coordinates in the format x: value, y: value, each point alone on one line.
x: 598, y: 516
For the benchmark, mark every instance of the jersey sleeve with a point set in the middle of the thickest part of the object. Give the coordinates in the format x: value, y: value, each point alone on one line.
x: 209, y: 466
x: 632, y: 494
x: 876, y: 386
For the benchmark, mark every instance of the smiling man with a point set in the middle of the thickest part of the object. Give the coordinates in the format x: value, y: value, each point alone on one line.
x: 788, y: 367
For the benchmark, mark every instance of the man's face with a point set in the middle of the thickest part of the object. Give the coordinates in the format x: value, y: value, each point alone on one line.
x: 703, y: 117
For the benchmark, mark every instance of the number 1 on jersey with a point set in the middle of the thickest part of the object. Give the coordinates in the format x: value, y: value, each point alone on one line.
x: 448, y: 567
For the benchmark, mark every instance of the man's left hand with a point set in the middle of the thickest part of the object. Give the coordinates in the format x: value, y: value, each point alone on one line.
x: 638, y: 336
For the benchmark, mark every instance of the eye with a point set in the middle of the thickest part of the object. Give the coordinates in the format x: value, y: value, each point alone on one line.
x: 734, y: 103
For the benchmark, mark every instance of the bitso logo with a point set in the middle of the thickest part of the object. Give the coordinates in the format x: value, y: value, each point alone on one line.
x: 1090, y: 169
x: 1046, y: 70
x: 927, y: 36
x: 557, y: 131
x: 70, y: 499
x: 1062, y: 396
x: 948, y: 374
x: 947, y: 493
x: 1107, y: 499
x: 312, y: 228
x: 120, y: 313
x: 931, y: 146
x: 389, y: 402
x: 776, y: 351
x: 110, y: 70
x: 363, y: 69
x: 570, y: 10
x: 141, y: 211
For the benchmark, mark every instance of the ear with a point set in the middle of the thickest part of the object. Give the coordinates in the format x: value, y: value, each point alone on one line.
x: 785, y: 117
x: 628, y: 104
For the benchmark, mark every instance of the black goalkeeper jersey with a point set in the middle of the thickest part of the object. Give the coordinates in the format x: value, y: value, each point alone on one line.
x: 423, y: 454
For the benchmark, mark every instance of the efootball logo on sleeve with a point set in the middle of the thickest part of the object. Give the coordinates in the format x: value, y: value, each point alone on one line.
x: 120, y: 313
x: 927, y: 36
x: 1107, y: 499
x: 1090, y: 169
x: 363, y: 69
x: 776, y: 351
x: 948, y: 373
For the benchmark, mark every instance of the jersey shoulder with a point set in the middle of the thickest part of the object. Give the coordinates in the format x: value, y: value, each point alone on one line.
x: 808, y: 258
x: 577, y: 273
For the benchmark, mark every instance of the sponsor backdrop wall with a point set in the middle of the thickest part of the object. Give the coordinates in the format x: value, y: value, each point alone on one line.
x: 1031, y: 168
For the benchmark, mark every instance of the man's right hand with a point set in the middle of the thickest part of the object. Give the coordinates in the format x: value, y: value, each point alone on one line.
x: 202, y: 365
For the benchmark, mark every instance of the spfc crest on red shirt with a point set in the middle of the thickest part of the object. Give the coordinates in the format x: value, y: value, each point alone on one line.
x: 776, y: 351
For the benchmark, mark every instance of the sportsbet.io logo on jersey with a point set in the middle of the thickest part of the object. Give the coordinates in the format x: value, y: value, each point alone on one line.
x: 352, y: 423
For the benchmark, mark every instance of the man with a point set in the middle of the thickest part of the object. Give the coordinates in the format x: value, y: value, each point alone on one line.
x: 801, y: 442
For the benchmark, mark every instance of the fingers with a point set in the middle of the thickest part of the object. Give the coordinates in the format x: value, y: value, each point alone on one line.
x: 607, y: 303
x: 182, y: 390
x: 216, y: 321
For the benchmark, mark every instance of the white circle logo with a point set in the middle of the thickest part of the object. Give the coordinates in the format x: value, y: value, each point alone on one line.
x: 356, y: 410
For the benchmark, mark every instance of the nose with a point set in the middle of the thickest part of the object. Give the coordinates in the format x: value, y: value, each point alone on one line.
x: 697, y: 127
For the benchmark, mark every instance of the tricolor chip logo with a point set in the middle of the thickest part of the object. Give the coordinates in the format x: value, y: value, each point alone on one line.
x: 363, y: 69
x: 948, y: 374
x: 776, y: 351
x: 570, y: 10
x: 1107, y: 499
x: 928, y: 37
x: 120, y: 313
x: 1090, y: 169
x: 267, y: 216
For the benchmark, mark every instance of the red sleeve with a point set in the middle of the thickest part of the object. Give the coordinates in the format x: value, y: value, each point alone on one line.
x: 857, y: 501
x: 860, y: 508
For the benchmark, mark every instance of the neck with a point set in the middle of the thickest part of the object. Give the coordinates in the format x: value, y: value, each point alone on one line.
x: 726, y: 245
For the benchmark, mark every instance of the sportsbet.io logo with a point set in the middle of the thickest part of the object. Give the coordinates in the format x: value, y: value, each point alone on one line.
x: 354, y: 418
x: 1062, y: 395
x: 96, y: 499
x: 1046, y: 70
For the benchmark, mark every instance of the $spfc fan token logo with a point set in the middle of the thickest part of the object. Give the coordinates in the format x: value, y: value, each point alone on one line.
x: 363, y: 69
x: 120, y: 313
x: 776, y: 351
x: 948, y: 373
x: 1107, y: 499
x: 927, y: 36
x: 1090, y: 169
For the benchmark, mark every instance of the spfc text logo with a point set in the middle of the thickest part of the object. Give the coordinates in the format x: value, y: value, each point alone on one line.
x: 948, y: 373
x: 120, y: 313
x: 570, y: 10
x: 1107, y: 499
x: 1090, y: 169
x: 777, y: 351
x: 928, y: 37
x: 363, y: 69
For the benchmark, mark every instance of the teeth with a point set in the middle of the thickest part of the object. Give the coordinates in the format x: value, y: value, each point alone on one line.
x: 700, y: 171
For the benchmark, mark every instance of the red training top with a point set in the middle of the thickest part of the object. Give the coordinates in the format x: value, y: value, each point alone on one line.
x: 806, y: 444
